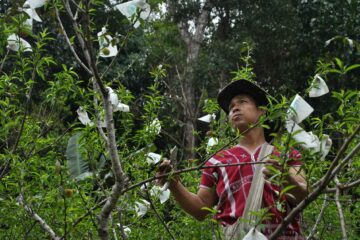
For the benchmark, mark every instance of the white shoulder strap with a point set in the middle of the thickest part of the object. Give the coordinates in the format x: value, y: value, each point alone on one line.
x: 253, y: 201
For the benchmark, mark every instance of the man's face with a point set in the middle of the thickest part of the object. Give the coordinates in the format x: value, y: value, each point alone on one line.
x: 243, y: 112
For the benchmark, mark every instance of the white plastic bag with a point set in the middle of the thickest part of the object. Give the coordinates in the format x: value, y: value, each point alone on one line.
x: 254, y: 234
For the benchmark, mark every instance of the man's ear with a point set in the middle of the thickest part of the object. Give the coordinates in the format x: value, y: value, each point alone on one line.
x: 262, y: 110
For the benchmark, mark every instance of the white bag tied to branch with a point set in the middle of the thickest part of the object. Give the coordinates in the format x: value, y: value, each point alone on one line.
x: 299, y: 109
x: 16, y: 43
x: 84, y: 117
x: 309, y: 140
x: 31, y: 12
x: 141, y: 207
x: 254, y: 234
x: 153, y: 158
x: 114, y: 100
x: 207, y: 118
x: 107, y: 44
x: 126, y: 229
x: 326, y: 144
x: 128, y: 9
x: 154, y: 127
x: 36, y: 3
x: 212, y: 142
x: 318, y: 87
x: 159, y: 192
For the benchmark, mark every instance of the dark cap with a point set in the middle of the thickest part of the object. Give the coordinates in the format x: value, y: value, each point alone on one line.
x: 241, y: 87
x: 257, y: 93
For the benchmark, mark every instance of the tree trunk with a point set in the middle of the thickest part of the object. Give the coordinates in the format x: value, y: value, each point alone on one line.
x: 193, y: 42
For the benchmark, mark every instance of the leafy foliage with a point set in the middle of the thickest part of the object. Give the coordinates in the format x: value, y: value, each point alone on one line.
x: 44, y: 150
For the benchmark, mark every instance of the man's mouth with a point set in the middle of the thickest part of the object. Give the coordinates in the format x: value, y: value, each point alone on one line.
x: 236, y: 116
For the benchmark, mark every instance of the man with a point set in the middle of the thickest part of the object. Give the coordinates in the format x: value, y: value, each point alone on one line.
x: 228, y: 187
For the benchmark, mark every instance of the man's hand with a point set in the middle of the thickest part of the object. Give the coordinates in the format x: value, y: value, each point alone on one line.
x: 275, y: 164
x: 164, y: 168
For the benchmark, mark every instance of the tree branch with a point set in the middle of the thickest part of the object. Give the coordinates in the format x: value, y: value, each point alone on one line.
x: 4, y: 59
x: 97, y: 114
x: 37, y: 218
x: 343, y: 187
x: 321, y: 214
x: 69, y: 43
x: 116, y: 167
x: 158, y: 215
x: 340, y: 211
x: 313, y: 195
x: 337, y: 158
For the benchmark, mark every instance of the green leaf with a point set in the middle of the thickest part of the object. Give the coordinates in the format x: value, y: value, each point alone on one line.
x: 339, y: 63
x: 76, y: 161
x: 352, y: 67
x: 101, y: 162
x: 286, y: 189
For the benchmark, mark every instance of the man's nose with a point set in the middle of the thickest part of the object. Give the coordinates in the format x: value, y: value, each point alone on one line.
x: 235, y: 108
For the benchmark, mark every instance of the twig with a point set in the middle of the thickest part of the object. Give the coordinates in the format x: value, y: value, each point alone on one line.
x: 33, y: 225
x: 54, y: 142
x: 173, y: 138
x: 65, y: 205
x: 158, y: 215
x: 344, y: 161
x: 321, y: 214
x: 69, y: 43
x: 121, y: 226
x: 37, y: 218
x: 27, y: 103
x: 343, y: 187
x: 98, y: 119
x: 340, y: 211
x: 89, y: 211
x: 4, y: 59
x: 190, y: 170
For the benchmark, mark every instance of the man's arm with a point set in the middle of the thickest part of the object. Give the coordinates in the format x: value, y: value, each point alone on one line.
x: 193, y: 203
x: 190, y: 202
x: 296, y: 178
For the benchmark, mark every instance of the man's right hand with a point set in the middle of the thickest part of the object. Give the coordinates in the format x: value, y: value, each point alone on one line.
x: 164, y: 168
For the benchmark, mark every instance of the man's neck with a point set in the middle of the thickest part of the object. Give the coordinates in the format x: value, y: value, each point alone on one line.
x: 254, y: 138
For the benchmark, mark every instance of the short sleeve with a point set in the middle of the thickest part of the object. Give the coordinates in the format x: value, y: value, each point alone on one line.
x: 209, y: 177
x: 294, y: 158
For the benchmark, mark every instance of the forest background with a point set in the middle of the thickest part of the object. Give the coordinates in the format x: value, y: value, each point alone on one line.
x: 75, y: 155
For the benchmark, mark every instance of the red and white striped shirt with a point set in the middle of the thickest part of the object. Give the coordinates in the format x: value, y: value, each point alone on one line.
x: 233, y: 183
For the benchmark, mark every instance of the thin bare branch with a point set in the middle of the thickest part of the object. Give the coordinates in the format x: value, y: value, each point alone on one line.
x: 97, y: 114
x: 343, y: 148
x: 37, y: 218
x: 318, y: 220
x: 98, y: 205
x: 158, y: 215
x: 197, y: 168
x: 339, y: 207
x: 77, y: 58
x: 4, y: 59
x: 344, y: 186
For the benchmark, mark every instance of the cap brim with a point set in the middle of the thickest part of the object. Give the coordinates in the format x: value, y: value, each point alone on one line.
x: 257, y: 93
x: 241, y: 87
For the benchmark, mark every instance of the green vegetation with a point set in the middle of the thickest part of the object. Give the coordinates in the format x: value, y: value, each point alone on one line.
x: 66, y: 176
